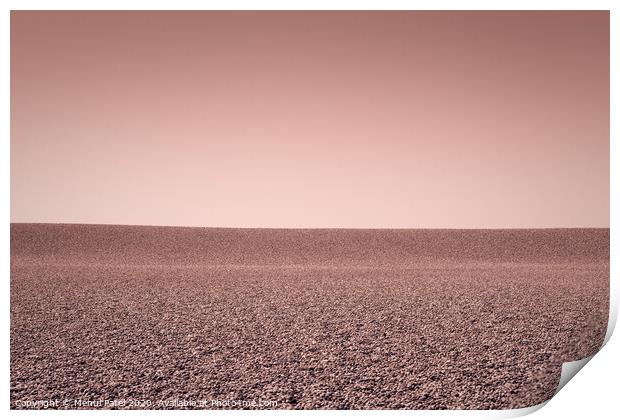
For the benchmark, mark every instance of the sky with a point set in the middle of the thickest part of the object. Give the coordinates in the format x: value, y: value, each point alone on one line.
x: 311, y: 119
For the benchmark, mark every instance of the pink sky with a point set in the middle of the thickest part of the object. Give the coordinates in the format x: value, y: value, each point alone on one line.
x: 311, y: 119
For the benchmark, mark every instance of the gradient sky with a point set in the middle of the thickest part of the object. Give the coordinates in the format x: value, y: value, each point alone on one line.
x: 311, y: 119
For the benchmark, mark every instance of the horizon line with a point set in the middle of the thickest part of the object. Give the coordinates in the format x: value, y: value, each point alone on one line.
x: 310, y: 228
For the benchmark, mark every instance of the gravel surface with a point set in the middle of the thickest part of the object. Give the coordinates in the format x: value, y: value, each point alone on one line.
x: 158, y: 317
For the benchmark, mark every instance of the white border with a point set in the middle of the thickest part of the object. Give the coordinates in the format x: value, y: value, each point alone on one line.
x: 596, y: 383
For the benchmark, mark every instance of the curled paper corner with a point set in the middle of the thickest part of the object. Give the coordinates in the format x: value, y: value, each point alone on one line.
x: 518, y: 412
x: 570, y: 369
x: 613, y: 314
